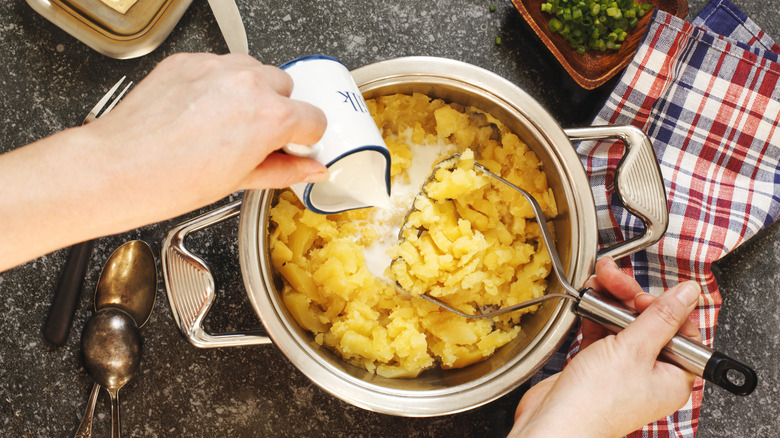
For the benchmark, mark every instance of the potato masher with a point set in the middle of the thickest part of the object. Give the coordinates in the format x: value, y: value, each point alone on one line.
x: 683, y: 351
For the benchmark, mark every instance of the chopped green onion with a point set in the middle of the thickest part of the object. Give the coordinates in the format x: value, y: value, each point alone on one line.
x: 614, y: 12
x: 593, y: 24
x: 554, y: 25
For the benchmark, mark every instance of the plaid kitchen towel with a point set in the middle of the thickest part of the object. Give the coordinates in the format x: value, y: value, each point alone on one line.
x: 708, y: 95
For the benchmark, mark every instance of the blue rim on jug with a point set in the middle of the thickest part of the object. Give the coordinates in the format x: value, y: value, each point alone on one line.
x: 307, y: 191
x: 289, y: 64
x: 353, y: 203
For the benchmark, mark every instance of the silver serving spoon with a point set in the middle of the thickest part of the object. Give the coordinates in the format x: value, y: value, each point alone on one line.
x: 128, y: 282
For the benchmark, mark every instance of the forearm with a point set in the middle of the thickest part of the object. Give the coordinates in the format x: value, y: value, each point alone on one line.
x: 53, y: 193
x: 197, y: 129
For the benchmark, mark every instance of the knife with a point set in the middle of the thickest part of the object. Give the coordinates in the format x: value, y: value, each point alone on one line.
x: 230, y: 24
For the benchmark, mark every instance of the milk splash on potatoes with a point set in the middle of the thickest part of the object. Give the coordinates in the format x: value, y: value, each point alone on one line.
x: 388, y: 220
x: 338, y: 283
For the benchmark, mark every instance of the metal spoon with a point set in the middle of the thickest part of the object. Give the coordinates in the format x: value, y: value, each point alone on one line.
x: 111, y: 343
x: 128, y: 282
x: 85, y: 426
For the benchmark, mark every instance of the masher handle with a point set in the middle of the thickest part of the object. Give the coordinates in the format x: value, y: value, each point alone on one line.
x: 681, y: 350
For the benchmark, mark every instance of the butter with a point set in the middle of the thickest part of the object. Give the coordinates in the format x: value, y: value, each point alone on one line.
x: 120, y: 6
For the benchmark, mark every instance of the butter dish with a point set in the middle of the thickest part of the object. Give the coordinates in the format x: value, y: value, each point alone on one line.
x: 134, y: 33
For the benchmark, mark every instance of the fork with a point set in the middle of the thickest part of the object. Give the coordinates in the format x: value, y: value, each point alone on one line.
x: 95, y: 112
x: 58, y: 322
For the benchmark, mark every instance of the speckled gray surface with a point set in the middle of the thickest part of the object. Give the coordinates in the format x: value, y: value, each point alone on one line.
x: 48, y: 80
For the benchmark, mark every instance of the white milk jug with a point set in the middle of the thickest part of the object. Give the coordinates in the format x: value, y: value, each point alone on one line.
x: 352, y: 147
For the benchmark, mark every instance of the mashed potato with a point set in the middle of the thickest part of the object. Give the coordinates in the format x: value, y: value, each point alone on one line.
x: 467, y: 242
x: 479, y: 247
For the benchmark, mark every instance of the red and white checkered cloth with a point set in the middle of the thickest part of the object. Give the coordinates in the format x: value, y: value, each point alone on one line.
x: 708, y: 95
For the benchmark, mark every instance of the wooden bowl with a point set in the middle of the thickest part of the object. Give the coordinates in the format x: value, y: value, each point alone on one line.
x: 594, y: 67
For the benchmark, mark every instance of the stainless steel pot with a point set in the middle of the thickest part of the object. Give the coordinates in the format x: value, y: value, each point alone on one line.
x: 190, y: 285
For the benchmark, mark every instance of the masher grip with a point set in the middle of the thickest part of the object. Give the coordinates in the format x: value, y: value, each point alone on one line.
x: 681, y: 350
x: 638, y: 182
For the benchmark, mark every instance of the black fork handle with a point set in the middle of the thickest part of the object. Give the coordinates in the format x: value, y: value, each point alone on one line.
x: 66, y: 296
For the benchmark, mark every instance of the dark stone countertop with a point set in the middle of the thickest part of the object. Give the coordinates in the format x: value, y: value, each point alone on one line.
x: 48, y: 80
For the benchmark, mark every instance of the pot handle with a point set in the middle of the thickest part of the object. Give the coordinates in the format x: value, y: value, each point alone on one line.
x: 190, y: 284
x: 681, y: 350
x: 638, y: 183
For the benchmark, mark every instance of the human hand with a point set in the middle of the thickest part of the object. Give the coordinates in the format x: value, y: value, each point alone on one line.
x: 200, y: 127
x: 616, y: 384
